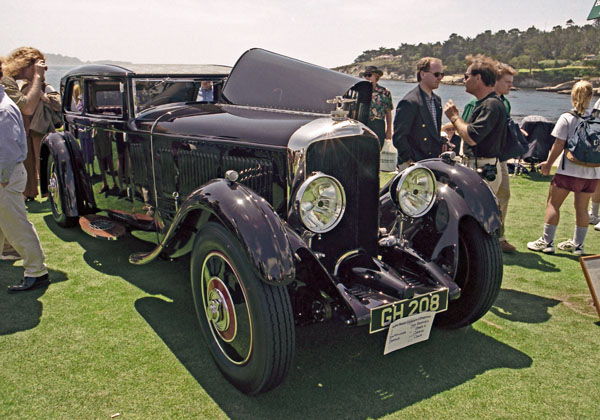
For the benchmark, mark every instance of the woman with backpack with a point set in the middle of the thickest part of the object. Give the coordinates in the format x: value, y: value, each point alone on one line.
x: 570, y: 177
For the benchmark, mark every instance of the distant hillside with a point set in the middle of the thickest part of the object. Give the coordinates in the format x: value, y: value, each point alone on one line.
x: 549, y: 57
x: 63, y: 60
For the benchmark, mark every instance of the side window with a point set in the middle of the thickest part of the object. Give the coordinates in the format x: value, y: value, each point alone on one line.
x: 105, y: 97
x: 148, y: 93
x: 206, y: 92
x: 75, y: 102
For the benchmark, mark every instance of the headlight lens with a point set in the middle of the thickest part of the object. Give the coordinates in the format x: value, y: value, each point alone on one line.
x: 321, y: 202
x: 415, y: 191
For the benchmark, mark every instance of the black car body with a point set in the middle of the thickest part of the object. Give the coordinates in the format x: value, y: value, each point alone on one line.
x: 273, y: 188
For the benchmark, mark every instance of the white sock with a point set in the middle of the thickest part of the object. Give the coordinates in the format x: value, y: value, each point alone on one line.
x: 594, y: 208
x: 549, y: 232
x: 579, y: 235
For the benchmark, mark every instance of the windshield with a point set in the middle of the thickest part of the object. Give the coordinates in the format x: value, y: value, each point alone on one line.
x: 148, y: 93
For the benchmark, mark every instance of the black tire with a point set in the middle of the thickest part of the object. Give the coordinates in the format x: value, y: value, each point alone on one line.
x: 479, y: 276
x: 255, y: 353
x: 55, y: 193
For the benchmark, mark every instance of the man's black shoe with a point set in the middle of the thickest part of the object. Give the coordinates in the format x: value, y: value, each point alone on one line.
x: 29, y: 283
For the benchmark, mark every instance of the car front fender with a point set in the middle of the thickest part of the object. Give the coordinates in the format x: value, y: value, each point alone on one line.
x: 465, y: 192
x: 247, y: 215
x: 461, y: 195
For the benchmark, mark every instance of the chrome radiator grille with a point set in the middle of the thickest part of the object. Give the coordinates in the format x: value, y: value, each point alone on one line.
x: 354, y: 161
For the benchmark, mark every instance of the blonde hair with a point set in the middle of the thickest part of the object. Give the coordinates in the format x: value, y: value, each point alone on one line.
x: 447, y: 126
x: 503, y: 69
x: 20, y: 59
x: 581, y: 95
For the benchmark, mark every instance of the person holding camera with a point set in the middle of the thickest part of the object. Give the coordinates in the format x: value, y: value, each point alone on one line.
x: 484, y: 132
x: 504, y: 82
x: 27, y: 64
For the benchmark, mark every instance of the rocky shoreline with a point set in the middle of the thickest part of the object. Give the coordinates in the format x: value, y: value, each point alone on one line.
x: 457, y: 79
x: 565, y: 88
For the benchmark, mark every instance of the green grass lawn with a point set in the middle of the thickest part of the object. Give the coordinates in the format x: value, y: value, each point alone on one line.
x: 108, y: 337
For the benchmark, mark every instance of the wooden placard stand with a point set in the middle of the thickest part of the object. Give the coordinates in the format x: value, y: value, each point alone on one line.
x: 591, y: 271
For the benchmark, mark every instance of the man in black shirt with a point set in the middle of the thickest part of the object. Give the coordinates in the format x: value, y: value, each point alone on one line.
x: 484, y: 133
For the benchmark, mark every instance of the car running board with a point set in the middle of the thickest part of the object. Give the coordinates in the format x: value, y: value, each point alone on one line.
x: 138, y: 221
x: 101, y: 227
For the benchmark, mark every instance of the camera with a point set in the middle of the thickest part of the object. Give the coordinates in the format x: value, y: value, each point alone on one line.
x: 487, y: 172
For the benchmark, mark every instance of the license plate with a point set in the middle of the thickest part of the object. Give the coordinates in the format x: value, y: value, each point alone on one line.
x: 383, y: 316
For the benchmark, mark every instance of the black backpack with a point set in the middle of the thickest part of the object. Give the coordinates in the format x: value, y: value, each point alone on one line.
x: 516, y: 144
x: 583, y: 147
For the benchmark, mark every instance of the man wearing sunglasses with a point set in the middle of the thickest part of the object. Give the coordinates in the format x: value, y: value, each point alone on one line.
x: 484, y: 132
x: 504, y: 82
x: 418, y: 117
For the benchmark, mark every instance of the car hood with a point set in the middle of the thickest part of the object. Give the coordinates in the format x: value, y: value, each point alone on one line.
x: 265, y: 79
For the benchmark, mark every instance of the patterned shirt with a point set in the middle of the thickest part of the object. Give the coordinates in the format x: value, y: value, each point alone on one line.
x: 381, y: 103
x: 431, y: 106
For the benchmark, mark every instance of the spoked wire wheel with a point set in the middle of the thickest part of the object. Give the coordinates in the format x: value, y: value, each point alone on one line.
x: 247, y: 323
x: 226, y: 308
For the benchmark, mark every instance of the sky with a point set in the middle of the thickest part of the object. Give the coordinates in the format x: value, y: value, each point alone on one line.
x: 323, y: 32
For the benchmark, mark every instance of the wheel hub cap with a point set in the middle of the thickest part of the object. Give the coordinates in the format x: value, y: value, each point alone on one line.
x: 217, y: 310
x: 53, y: 191
x: 220, y: 309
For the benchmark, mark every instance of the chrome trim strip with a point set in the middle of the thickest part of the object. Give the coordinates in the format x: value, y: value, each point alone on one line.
x: 276, y: 110
x: 154, y: 124
x: 310, y: 133
x: 342, y: 258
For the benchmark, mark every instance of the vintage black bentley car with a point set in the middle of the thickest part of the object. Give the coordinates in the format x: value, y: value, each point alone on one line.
x: 271, y: 183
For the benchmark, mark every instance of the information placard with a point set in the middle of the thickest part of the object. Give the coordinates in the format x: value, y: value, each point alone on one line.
x: 409, y: 330
x: 591, y: 271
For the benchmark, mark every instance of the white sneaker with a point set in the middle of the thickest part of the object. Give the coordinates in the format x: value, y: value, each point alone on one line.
x: 571, y: 246
x: 594, y: 219
x: 597, y: 227
x: 541, y: 246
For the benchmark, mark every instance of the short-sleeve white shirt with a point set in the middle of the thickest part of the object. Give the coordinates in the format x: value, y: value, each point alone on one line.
x: 564, y: 128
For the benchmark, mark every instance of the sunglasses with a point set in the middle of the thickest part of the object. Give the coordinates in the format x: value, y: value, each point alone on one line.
x: 437, y: 73
x: 368, y: 74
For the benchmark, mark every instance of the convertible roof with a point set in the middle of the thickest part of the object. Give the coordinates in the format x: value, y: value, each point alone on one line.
x: 265, y: 79
x: 151, y: 70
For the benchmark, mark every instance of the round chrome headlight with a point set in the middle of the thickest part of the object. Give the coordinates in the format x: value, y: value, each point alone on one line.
x: 321, y: 202
x: 415, y: 191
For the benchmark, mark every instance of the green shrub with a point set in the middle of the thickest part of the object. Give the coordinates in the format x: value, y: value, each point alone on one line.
x: 548, y: 64
x: 552, y: 76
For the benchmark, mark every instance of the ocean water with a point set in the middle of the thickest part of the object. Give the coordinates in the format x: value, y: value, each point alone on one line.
x: 524, y: 102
